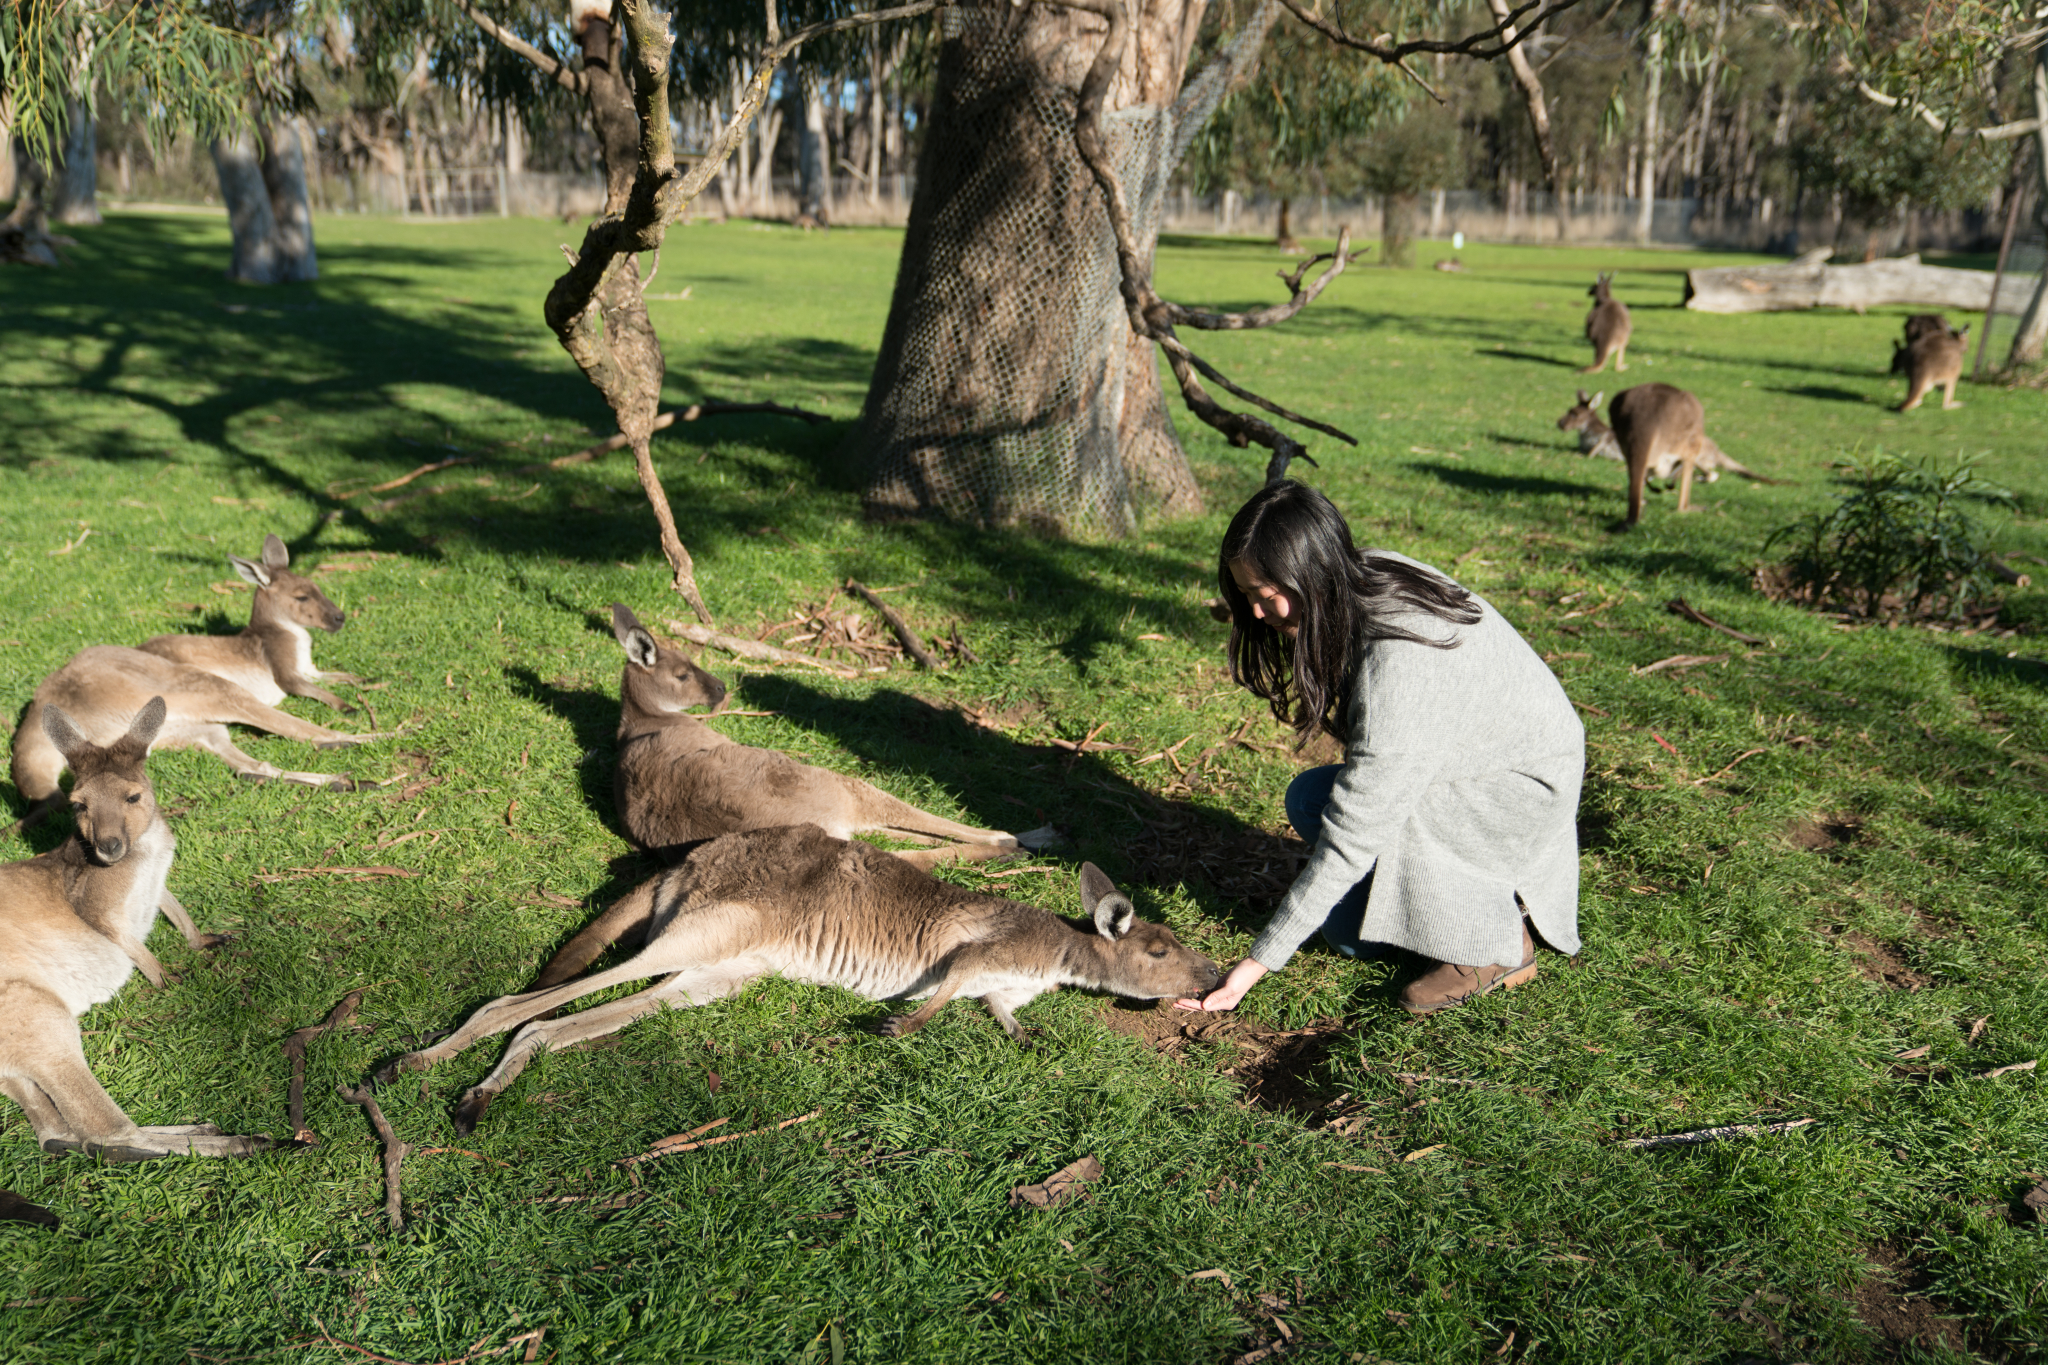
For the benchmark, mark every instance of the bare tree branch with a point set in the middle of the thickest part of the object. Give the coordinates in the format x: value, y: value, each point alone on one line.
x: 2003, y: 132
x: 552, y: 67
x: 1474, y: 45
x: 1201, y: 321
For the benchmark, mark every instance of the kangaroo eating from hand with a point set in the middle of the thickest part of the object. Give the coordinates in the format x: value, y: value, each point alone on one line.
x: 1607, y: 326
x: 799, y: 903
x: 679, y: 781
x: 273, y: 657
x: 72, y: 925
x: 1597, y: 439
x: 1931, y: 359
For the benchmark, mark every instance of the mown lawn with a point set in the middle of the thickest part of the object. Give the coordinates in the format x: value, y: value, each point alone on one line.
x: 1762, y: 941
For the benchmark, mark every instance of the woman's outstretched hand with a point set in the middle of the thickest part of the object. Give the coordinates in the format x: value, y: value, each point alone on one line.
x: 1225, y: 997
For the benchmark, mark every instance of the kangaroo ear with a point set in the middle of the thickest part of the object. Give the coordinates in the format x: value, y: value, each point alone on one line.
x: 1583, y: 400
x: 252, y: 573
x: 150, y: 719
x: 1112, y: 909
x: 624, y: 622
x: 1596, y: 399
x: 275, y: 556
x: 62, y: 732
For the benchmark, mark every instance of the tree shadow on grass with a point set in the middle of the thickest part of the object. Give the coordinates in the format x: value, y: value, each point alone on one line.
x: 1506, y: 485
x: 1825, y: 393
x: 1496, y: 353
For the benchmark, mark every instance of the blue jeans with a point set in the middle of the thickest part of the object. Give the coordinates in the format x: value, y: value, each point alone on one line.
x: 1307, y: 794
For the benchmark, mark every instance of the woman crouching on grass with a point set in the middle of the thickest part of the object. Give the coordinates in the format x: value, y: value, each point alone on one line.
x: 1449, y: 827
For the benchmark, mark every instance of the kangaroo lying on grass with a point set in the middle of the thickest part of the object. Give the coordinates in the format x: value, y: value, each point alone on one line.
x: 1607, y: 326
x: 273, y: 658
x: 72, y: 931
x: 105, y: 684
x: 680, y: 781
x: 800, y: 903
x: 1931, y: 356
x: 1596, y: 438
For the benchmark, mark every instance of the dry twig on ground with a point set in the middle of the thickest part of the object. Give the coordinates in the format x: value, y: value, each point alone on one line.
x: 394, y: 1150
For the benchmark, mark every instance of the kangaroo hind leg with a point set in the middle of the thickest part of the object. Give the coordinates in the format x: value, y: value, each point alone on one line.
x: 214, y: 738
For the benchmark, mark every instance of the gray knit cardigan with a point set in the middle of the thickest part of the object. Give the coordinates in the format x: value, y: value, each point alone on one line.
x: 1460, y: 789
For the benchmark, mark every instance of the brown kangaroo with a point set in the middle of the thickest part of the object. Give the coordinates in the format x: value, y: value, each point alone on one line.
x: 1607, y: 326
x: 1933, y: 359
x: 799, y: 903
x: 103, y: 685
x: 1596, y: 439
x: 273, y: 658
x: 73, y: 931
x: 679, y: 781
x: 1925, y: 324
x: 1654, y: 423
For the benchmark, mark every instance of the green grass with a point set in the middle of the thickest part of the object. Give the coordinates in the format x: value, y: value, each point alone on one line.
x: 179, y: 419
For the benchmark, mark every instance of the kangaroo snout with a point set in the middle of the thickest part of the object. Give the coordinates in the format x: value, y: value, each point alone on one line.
x: 110, y: 850
x: 333, y: 618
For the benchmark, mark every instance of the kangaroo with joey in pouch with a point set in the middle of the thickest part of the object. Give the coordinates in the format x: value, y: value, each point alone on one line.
x: 72, y: 925
x: 799, y: 903
x: 1607, y: 326
x: 1597, y: 439
x: 1930, y: 357
x: 679, y: 781
x: 273, y: 657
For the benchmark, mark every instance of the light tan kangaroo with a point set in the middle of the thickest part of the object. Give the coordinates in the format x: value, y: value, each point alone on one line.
x: 103, y: 685
x: 797, y: 902
x: 1654, y: 423
x: 273, y: 658
x: 1933, y: 359
x: 1596, y: 439
x: 72, y: 925
x: 1607, y: 326
x: 679, y: 781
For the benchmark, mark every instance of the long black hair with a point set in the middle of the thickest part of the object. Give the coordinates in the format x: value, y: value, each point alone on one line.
x: 1294, y: 538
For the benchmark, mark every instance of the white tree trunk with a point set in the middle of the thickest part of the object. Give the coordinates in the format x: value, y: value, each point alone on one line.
x: 291, y: 207
x: 814, y: 155
x: 74, y: 180
x: 1653, y: 63
x: 250, y: 220
x: 1807, y: 283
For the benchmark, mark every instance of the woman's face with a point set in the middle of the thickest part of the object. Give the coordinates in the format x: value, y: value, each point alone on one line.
x: 1274, y: 605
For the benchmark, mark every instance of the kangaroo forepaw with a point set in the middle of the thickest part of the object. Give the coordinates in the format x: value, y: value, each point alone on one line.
x: 253, y: 776
x: 897, y: 1026
x: 471, y: 1111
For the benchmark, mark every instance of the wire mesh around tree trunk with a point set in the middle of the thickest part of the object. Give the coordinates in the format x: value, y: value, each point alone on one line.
x: 1001, y: 394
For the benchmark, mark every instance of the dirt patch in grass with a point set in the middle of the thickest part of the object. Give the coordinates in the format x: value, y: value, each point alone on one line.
x: 1880, y: 963
x: 1279, y: 1069
x: 1822, y: 833
x: 1886, y: 1301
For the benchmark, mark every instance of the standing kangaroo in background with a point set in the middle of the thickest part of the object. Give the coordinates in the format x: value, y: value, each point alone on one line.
x: 1931, y: 359
x: 1607, y: 326
x: 1596, y: 438
x: 679, y: 781
x: 801, y: 904
x: 273, y: 657
x: 72, y: 925
x: 1655, y: 424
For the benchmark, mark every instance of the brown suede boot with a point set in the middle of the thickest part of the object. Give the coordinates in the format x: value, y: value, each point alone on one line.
x: 1451, y: 984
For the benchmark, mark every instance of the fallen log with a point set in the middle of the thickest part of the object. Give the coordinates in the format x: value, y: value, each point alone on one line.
x: 1810, y: 283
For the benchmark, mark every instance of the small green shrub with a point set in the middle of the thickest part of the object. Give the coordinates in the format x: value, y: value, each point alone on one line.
x: 1897, y: 544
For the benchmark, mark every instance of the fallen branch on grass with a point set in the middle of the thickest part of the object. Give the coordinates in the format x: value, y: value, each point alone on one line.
x: 1679, y: 662
x: 668, y: 419
x: 403, y: 479
x: 1722, y: 1134
x: 902, y: 632
x: 295, y: 1049
x: 355, y: 874
x: 1702, y: 781
x: 2006, y: 1070
x: 394, y: 1152
x: 755, y: 650
x: 1678, y: 606
x: 531, y: 1340
x: 671, y: 1146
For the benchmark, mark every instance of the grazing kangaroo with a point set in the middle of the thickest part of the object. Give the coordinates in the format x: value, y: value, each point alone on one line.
x: 73, y: 928
x: 802, y: 904
x: 1607, y: 326
x: 1596, y: 438
x: 273, y: 658
x: 679, y: 781
x: 1934, y: 359
x: 103, y: 685
x: 1653, y: 424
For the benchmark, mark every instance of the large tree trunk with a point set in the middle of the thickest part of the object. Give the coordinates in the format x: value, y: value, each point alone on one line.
x: 269, y: 214
x: 2033, y: 333
x: 74, y: 180
x: 1010, y: 388
x: 1808, y: 283
x: 1539, y: 115
x: 1653, y: 64
x: 814, y: 154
